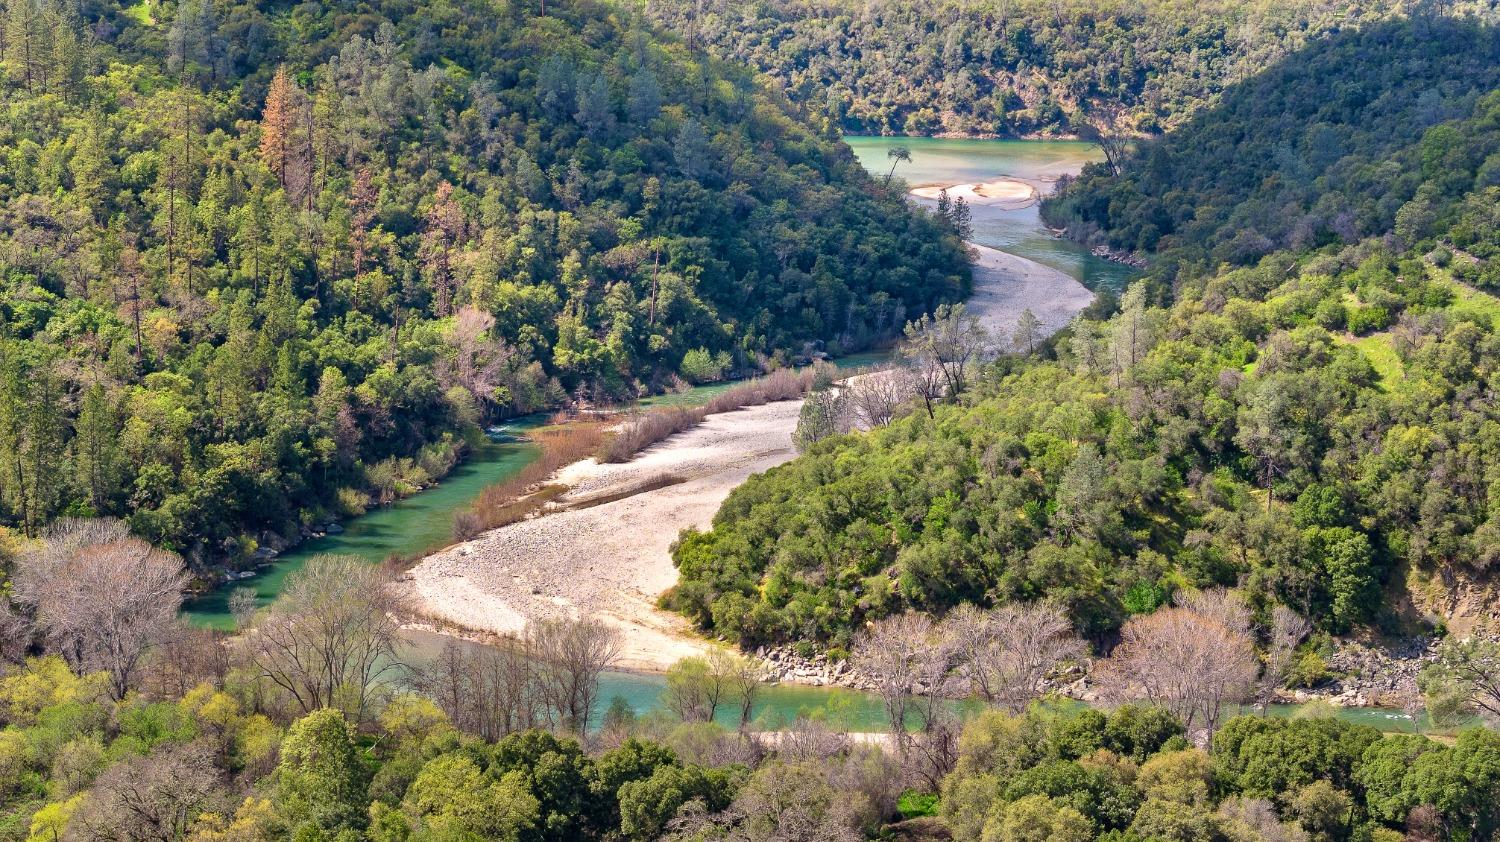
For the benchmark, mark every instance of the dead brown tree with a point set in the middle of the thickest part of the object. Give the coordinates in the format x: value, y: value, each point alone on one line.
x: 101, y: 598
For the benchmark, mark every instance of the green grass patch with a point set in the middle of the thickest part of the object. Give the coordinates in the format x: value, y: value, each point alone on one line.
x: 1468, y: 301
x: 915, y: 804
x: 1382, y: 355
x: 141, y: 13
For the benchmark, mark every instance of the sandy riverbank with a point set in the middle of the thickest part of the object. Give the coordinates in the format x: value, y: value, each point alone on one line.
x: 1006, y: 286
x: 609, y: 555
x: 609, y: 560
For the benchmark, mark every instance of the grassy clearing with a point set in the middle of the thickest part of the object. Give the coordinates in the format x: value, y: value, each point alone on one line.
x: 1379, y: 350
x: 141, y: 13
x: 1468, y: 301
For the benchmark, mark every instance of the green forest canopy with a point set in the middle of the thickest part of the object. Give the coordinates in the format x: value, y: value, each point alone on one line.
x: 1312, y: 427
x: 264, y: 264
x: 1012, y: 68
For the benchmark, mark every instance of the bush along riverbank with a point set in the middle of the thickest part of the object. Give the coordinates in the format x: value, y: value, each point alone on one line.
x: 1341, y: 673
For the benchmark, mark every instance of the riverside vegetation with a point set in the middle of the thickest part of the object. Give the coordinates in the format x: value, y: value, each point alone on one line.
x: 264, y: 266
x: 308, y: 726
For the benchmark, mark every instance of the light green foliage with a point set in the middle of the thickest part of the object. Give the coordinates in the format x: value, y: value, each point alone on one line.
x: 320, y: 779
x: 700, y: 366
x: 452, y: 799
x: 1182, y: 776
x: 42, y: 683
x: 1037, y: 818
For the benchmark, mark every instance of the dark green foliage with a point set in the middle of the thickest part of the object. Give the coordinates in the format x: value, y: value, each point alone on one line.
x: 238, y: 301
x: 1345, y: 139
x: 1007, y: 68
x: 1332, y: 779
x: 1272, y: 758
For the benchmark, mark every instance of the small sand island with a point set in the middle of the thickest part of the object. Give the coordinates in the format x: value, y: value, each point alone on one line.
x: 606, y: 554
x: 1000, y: 193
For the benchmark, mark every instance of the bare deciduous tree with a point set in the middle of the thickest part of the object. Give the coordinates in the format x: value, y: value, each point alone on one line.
x: 571, y: 655
x: 480, y: 361
x: 331, y: 637
x: 742, y: 677
x: 1188, y: 662
x: 904, y: 655
x: 15, y: 633
x: 488, y: 691
x: 1287, y: 630
x: 243, y: 604
x: 186, y: 657
x: 101, y: 597
x: 874, y: 398
x: 157, y: 797
x: 1007, y: 652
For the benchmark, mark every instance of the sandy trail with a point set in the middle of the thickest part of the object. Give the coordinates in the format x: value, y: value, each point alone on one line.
x: 612, y: 560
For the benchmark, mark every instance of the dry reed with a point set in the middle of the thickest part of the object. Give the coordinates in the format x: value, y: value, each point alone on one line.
x: 523, y: 494
x: 648, y: 428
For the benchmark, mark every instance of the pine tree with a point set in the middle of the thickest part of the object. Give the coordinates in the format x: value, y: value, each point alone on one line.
x: 96, y: 456
x: 276, y: 124
x: 22, y: 40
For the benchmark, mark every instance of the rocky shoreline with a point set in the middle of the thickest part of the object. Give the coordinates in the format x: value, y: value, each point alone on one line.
x: 1360, y: 674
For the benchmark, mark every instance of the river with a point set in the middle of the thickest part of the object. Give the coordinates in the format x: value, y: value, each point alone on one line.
x: 1017, y: 230
x: 423, y: 523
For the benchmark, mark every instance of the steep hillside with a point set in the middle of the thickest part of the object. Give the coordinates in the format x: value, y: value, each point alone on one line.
x: 1011, y: 67
x: 1315, y: 427
x: 1333, y: 145
x: 261, y: 263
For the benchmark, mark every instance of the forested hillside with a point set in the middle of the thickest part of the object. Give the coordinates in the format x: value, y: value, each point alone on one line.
x: 261, y: 264
x: 1317, y: 428
x: 1333, y: 145
x: 1010, y: 67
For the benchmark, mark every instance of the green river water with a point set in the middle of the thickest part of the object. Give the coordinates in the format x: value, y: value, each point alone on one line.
x: 424, y: 522
x: 949, y: 161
